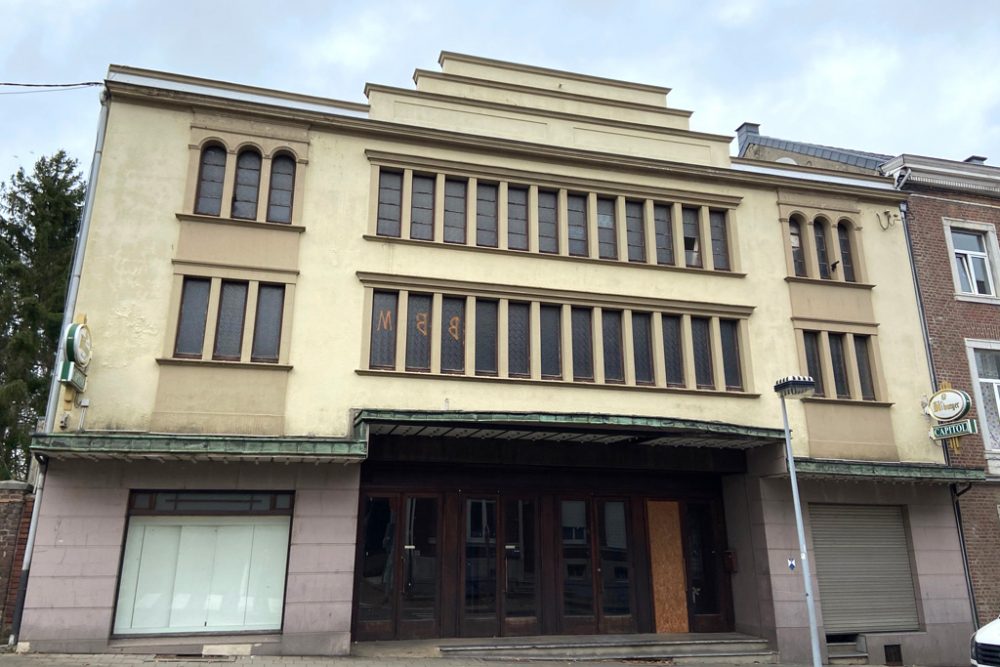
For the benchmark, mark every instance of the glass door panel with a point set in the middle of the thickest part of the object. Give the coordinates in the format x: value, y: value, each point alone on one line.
x: 704, y: 569
x: 577, y: 566
x: 480, y: 605
x: 376, y: 590
x: 520, y: 554
x: 419, y: 590
x: 615, y: 569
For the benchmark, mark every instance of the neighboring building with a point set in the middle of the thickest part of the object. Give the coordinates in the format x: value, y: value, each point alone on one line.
x: 951, y: 215
x: 489, y: 357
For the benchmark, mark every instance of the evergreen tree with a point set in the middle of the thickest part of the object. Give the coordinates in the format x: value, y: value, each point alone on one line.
x: 39, y: 215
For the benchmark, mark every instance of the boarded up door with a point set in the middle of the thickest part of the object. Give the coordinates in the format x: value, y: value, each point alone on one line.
x: 666, y: 555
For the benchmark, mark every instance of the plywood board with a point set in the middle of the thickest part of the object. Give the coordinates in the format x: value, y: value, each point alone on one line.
x: 666, y: 553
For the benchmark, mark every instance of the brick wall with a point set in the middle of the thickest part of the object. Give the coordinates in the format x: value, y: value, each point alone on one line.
x: 15, y: 517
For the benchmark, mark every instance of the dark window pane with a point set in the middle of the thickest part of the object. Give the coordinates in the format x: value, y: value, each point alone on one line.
x: 211, y: 175
x: 521, y: 533
x: 813, y: 364
x: 486, y: 337
x: 518, y: 339
x: 194, y: 312
x: 486, y: 215
x: 664, y: 234
x: 720, y: 239
x: 819, y: 231
x: 452, y: 334
x: 390, y: 201
x: 730, y: 333
x: 576, y: 207
x: 846, y: 256
x: 583, y: 344
x: 607, y: 232
x: 383, y: 341
x: 422, y: 208
x: 267, y: 326
x: 418, y: 332
x: 548, y: 236
x: 692, y: 237
x: 673, y: 350
x: 454, y: 211
x: 375, y: 595
x: 614, y: 370
x: 863, y: 353
x: 229, y: 329
x: 636, y: 231
x: 551, y: 330
x: 420, y: 559
x: 615, y: 560
x: 517, y: 218
x: 701, y: 339
x: 839, y: 365
x: 798, y: 254
x: 279, y: 197
x: 247, y: 185
x: 578, y: 578
x: 642, y: 337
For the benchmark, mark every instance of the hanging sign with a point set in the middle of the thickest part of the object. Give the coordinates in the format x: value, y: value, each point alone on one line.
x: 953, y: 429
x: 79, y: 345
x: 949, y: 404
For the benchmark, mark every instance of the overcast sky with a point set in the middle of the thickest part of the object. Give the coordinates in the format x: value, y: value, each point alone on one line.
x: 918, y: 77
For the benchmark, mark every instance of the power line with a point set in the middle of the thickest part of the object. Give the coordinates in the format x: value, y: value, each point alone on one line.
x: 44, y: 90
x: 52, y: 85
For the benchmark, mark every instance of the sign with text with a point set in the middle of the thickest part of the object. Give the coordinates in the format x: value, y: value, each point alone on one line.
x: 953, y: 429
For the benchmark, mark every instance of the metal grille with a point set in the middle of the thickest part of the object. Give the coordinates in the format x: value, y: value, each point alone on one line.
x: 518, y: 339
x: 583, y: 344
x: 486, y: 337
x: 422, y: 208
x: 551, y: 329
x: 452, y: 334
x: 279, y: 198
x: 486, y: 215
x: 635, y: 231
x: 247, y: 185
x: 548, y: 241
x: 987, y: 654
x: 517, y: 218
x: 383, y: 339
x: 576, y: 206
x: 720, y: 240
x: 194, y: 312
x: 210, y: 179
x: 418, y: 333
x: 642, y: 343
x: 729, y: 332
x: 267, y: 327
x: 607, y: 233
x: 612, y: 328
x: 454, y: 211
x: 673, y: 353
x: 664, y: 234
x: 700, y: 338
x: 692, y: 237
x: 229, y: 329
x: 390, y: 198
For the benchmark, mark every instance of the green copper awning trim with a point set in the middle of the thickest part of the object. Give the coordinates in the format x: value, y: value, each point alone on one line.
x: 901, y: 472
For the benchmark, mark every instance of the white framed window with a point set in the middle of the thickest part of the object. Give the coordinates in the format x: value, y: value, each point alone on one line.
x: 975, y: 258
x: 984, y: 362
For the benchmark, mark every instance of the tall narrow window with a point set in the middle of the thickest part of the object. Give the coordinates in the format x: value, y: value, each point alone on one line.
x: 822, y: 255
x: 692, y: 237
x: 729, y: 331
x: 846, y: 254
x: 972, y: 262
x: 642, y: 345
x: 673, y: 350
x: 814, y: 366
x: 193, y: 315
x: 486, y: 337
x: 267, y: 325
x: 517, y: 218
x: 635, y: 231
x: 452, y: 334
x: 486, y: 214
x: 247, y: 185
x: 839, y: 365
x: 548, y: 233
x: 390, y: 201
x: 862, y: 352
x: 551, y: 330
x: 211, y: 174
x: 422, y: 208
x: 607, y: 232
x: 383, y: 336
x: 454, y: 211
x: 229, y: 327
x: 576, y: 206
x: 279, y: 194
x: 418, y: 332
x: 518, y: 339
x: 701, y: 339
x: 614, y: 368
x: 664, y: 234
x: 583, y: 344
x: 720, y: 240
x: 988, y: 373
x: 795, y: 240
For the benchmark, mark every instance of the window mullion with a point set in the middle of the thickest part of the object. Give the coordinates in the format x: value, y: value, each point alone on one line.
x: 533, y: 219
x: 834, y: 257
x: 826, y: 361
x: 718, y: 366
x: 402, y: 313
x: 659, y: 358
x: 535, y: 322
x: 566, y: 343
x: 471, y: 208
x: 687, y: 342
x: 593, y: 233
x: 677, y: 225
x: 562, y: 222
x: 649, y: 229
x: 249, y: 320
x: 809, y: 248
x: 705, y: 242
x: 437, y: 326
x: 470, y: 335
x: 853, y: 375
x: 212, y: 320
x: 264, y: 189
x: 502, y: 227
x: 628, y: 343
x: 621, y: 230
x: 438, y: 213
x: 228, y: 186
x: 406, y: 204
x: 503, y: 329
x: 597, y: 334
x: 285, y: 333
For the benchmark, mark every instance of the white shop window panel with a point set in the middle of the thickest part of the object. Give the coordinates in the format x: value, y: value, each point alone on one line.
x: 202, y: 574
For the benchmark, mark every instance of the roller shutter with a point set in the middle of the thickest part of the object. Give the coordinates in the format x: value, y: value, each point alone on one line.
x: 863, y: 568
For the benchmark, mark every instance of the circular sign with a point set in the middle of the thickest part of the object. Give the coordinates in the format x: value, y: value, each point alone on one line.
x: 949, y: 404
x: 79, y: 345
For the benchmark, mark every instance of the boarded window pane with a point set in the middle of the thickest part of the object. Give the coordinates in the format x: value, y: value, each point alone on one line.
x: 813, y: 366
x: 390, y: 200
x: 664, y: 234
x: 642, y: 338
x: 194, y: 312
x: 486, y: 337
x: 519, y: 339
x: 692, y: 237
x: 452, y: 334
x: 517, y: 218
x: 267, y: 326
x: 418, y: 332
x: 819, y: 231
x: 279, y: 197
x: 486, y: 215
x: 839, y: 365
x: 383, y: 341
x: 576, y: 206
x: 701, y: 339
x: 673, y: 350
x: 454, y: 211
x: 730, y: 333
x: 583, y: 344
x: 210, y: 177
x: 720, y: 239
x: 862, y: 351
x: 798, y: 254
x: 614, y: 370
x: 846, y: 256
x: 551, y: 329
x: 247, y: 185
x: 636, y: 231
x: 607, y: 232
x: 422, y: 208
x: 548, y: 238
x: 229, y: 329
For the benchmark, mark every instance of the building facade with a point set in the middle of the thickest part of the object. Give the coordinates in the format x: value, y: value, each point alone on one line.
x: 488, y: 357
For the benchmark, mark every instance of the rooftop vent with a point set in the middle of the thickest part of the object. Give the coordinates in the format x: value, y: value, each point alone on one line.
x: 975, y: 159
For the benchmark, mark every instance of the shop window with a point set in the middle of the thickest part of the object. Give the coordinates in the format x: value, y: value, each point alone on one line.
x: 211, y: 175
x: 607, y: 231
x: 692, y: 237
x: 576, y: 211
x: 720, y: 240
x: 583, y: 344
x: 247, y: 186
x: 422, y: 208
x: 383, y: 337
x: 486, y: 337
x: 281, y: 190
x: 455, y: 193
x: 635, y: 231
x: 418, y: 332
x: 642, y: 346
x: 519, y: 339
x: 486, y: 215
x: 614, y: 367
x: 452, y: 334
x: 517, y: 218
x: 390, y: 202
x: 548, y: 232
x: 664, y: 234
x: 551, y: 333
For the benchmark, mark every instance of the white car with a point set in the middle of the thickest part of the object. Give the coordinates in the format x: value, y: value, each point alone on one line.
x: 986, y: 646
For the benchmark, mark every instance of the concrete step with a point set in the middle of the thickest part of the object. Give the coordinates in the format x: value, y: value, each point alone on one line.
x: 846, y: 653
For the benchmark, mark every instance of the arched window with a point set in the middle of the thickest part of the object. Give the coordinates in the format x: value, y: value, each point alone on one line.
x: 279, y: 195
x: 795, y: 240
x: 247, y: 184
x: 822, y: 252
x: 211, y: 174
x: 846, y: 252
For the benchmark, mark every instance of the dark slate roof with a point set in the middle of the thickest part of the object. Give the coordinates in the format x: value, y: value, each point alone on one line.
x: 862, y: 159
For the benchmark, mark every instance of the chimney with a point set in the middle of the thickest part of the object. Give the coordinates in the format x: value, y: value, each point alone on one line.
x: 975, y: 159
x: 743, y: 134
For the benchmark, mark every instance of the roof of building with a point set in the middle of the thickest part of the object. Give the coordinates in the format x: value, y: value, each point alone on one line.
x: 749, y: 133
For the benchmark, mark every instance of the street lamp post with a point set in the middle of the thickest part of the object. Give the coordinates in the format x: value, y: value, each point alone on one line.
x: 799, y: 386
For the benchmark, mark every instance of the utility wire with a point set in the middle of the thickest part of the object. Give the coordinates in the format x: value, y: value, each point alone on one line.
x: 44, y: 90
x: 51, y: 85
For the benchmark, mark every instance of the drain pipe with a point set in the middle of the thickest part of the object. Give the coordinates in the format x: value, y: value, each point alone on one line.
x: 52, y: 407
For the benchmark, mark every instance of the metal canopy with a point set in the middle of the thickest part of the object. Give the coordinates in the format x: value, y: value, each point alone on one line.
x: 927, y: 473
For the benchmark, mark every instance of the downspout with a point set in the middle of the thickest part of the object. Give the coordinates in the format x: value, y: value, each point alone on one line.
x: 52, y: 407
